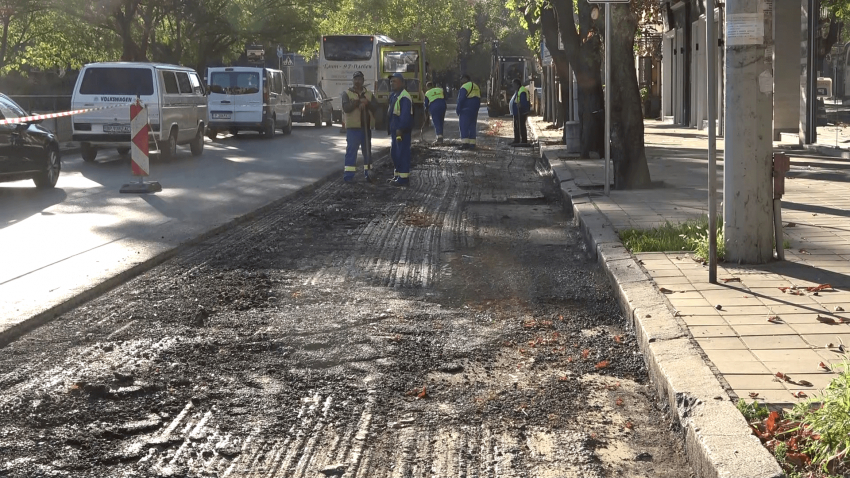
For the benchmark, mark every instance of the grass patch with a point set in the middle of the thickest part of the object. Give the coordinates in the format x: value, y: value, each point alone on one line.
x: 813, y: 439
x: 691, y: 236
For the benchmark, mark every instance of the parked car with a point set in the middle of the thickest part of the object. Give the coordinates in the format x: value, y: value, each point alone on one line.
x: 249, y: 98
x: 174, y: 96
x: 27, y: 150
x: 311, y: 105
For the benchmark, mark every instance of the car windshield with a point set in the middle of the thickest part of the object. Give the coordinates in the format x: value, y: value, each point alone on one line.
x: 401, y: 61
x: 348, y: 48
x: 303, y: 94
x: 235, y: 82
x: 117, y: 81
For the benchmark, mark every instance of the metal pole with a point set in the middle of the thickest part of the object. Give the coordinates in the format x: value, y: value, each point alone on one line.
x: 711, y: 59
x: 607, y: 99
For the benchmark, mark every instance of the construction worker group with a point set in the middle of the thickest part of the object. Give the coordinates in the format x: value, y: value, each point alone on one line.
x: 359, y: 107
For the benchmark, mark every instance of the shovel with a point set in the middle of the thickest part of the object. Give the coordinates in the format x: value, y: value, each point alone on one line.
x: 367, y: 135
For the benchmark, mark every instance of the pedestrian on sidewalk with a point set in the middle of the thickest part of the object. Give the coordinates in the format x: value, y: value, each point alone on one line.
x: 520, y: 106
x: 435, y: 106
x: 399, y: 127
x: 358, y: 107
x: 468, y: 104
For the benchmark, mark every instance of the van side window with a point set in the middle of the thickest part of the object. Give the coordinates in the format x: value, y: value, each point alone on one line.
x: 183, y: 81
x: 278, y: 83
x: 170, y: 83
x: 196, y: 84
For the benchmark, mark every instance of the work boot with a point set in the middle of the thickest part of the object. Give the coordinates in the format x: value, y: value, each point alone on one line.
x: 367, y: 176
x: 399, y: 182
x: 439, y: 140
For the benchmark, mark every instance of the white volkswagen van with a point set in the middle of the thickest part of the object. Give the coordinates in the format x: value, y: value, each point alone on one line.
x: 248, y: 98
x: 174, y: 95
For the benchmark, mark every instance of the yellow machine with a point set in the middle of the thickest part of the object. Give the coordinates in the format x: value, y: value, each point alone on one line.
x: 409, y: 60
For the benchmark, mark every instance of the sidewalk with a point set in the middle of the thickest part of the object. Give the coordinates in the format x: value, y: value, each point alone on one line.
x: 742, y: 348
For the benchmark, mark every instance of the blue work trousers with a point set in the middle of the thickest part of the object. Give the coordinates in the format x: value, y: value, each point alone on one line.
x: 400, y: 152
x: 437, y: 108
x: 468, y: 126
x: 355, y: 139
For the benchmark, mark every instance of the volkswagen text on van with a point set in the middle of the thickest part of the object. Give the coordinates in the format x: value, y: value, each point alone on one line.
x: 249, y: 98
x: 175, y: 99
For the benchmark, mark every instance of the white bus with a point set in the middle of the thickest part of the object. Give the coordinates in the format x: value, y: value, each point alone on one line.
x: 340, y: 56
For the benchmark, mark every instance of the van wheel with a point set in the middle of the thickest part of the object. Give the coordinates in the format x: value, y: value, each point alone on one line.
x: 168, y: 148
x: 197, y: 144
x: 123, y: 150
x: 288, y: 128
x: 318, y: 123
x: 88, y: 152
x: 268, y: 128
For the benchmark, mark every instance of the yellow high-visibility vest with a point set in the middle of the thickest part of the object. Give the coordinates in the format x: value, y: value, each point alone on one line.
x: 352, y: 120
x: 472, y: 90
x: 397, y: 107
x: 434, y: 94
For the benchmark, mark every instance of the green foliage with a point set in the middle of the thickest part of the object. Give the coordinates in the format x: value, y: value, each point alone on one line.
x: 830, y: 421
x: 688, y: 236
x: 752, y: 411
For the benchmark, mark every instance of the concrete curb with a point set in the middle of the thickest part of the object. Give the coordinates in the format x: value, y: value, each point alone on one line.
x: 16, y: 331
x: 718, y: 441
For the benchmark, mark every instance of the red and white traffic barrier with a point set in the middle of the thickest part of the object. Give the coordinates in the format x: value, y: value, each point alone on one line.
x: 27, y: 119
x: 139, y: 139
x: 139, y: 152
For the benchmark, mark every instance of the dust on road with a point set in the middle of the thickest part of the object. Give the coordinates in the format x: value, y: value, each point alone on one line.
x: 455, y: 328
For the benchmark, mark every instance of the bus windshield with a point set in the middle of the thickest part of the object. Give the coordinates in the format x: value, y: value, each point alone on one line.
x: 348, y: 48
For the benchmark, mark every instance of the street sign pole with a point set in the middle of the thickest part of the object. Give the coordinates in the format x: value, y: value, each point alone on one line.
x: 711, y: 59
x: 607, y: 99
x: 607, y: 3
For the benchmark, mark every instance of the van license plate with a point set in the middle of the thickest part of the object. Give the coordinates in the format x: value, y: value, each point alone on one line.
x: 116, y: 128
x: 221, y: 115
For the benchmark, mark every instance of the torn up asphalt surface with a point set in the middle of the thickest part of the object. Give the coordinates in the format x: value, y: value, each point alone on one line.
x: 452, y: 328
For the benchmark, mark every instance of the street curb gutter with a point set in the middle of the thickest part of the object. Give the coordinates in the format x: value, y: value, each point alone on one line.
x: 16, y: 331
x: 718, y: 441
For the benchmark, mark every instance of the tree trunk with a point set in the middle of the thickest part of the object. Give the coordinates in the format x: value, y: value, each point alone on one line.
x: 628, y: 153
x: 583, y: 56
x: 4, y: 46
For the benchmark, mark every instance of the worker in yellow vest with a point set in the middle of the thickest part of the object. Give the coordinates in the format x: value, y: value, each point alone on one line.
x: 468, y: 104
x: 358, y: 106
x: 435, y: 106
x: 399, y: 127
x: 520, y: 106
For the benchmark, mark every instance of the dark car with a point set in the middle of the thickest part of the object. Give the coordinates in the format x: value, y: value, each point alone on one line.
x: 311, y: 105
x: 27, y: 150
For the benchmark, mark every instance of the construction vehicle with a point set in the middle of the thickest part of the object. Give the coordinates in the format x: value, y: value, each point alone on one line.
x: 500, y: 88
x: 409, y: 60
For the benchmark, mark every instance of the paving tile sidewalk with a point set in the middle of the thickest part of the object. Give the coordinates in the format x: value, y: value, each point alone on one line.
x: 744, y: 349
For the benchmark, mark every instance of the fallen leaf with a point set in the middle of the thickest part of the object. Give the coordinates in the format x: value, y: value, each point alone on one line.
x: 797, y: 459
x: 828, y: 320
x: 618, y: 339
x: 824, y: 367
x: 585, y: 353
x: 754, y: 395
x: 771, y: 424
x: 782, y: 376
x: 774, y: 319
x: 619, y: 402
x: 804, y: 383
x: 803, y: 251
x: 629, y: 425
x: 819, y: 288
x: 791, y: 224
x: 423, y: 393
x: 602, y: 364
x: 784, y: 289
x: 564, y: 378
x: 570, y: 359
x: 561, y: 318
x: 838, y: 308
x: 800, y: 394
x: 664, y: 290
x: 731, y: 279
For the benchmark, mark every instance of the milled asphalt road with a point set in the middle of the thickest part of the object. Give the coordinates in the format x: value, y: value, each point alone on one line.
x: 59, y: 243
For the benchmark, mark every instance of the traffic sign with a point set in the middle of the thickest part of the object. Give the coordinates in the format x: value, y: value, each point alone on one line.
x: 287, y: 61
x: 279, y: 52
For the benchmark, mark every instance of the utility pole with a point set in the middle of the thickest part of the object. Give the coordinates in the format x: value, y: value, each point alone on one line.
x: 747, y: 167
